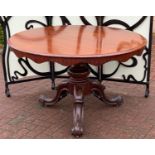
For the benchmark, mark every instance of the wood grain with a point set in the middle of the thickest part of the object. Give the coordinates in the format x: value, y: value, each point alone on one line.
x: 77, y: 44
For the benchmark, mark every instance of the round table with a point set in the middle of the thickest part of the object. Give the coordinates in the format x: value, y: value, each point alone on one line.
x: 78, y: 46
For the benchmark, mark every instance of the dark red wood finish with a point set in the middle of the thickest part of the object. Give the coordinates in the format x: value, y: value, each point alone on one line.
x: 70, y: 45
x: 78, y: 46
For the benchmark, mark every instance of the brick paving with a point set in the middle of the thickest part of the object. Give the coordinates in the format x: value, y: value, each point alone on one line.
x: 21, y: 116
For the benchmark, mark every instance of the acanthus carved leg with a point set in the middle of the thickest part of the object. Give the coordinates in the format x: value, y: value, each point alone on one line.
x: 98, y: 91
x: 78, y: 112
x: 62, y: 91
x: 79, y: 86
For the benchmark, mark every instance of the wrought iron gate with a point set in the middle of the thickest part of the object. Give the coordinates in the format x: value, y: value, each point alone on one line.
x: 136, y: 70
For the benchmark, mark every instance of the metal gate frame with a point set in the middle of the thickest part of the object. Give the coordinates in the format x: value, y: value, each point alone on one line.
x: 58, y: 74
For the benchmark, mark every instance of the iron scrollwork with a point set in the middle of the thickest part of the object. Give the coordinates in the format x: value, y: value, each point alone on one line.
x: 100, y: 74
x: 133, y: 59
x: 25, y: 61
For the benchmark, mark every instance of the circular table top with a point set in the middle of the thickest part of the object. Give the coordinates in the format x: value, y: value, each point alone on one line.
x: 77, y: 44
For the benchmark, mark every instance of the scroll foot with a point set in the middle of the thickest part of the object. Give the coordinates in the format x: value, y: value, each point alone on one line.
x: 77, y: 129
x: 115, y: 101
x: 98, y: 91
x: 62, y: 92
x: 45, y: 101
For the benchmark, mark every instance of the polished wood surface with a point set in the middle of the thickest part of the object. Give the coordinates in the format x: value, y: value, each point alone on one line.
x: 77, y: 44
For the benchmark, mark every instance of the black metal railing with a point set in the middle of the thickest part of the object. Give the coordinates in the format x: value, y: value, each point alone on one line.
x: 98, y: 73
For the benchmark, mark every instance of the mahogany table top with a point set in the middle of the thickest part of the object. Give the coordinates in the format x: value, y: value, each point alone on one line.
x: 77, y: 44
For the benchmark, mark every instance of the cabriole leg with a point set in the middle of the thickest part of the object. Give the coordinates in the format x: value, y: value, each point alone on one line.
x: 98, y: 91
x: 62, y: 91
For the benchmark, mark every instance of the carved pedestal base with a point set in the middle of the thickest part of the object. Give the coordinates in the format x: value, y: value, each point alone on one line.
x: 79, y: 85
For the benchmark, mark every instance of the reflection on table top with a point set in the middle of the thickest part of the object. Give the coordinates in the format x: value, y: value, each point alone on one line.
x: 77, y: 41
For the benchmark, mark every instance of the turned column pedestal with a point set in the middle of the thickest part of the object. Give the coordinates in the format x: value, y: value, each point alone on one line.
x: 79, y: 85
x: 69, y: 45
